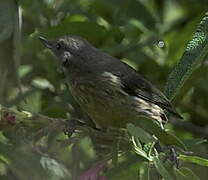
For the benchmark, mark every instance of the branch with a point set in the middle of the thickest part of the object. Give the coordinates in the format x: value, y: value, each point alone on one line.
x: 11, y: 118
x: 197, y: 130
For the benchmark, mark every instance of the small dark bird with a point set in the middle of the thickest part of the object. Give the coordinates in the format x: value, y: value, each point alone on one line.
x: 108, y: 90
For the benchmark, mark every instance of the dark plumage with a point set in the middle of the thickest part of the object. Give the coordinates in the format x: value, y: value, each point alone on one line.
x: 108, y: 90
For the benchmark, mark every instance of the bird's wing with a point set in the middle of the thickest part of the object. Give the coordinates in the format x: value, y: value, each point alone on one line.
x: 135, y: 85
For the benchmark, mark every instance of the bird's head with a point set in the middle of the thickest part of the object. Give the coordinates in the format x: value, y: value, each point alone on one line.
x: 68, y: 49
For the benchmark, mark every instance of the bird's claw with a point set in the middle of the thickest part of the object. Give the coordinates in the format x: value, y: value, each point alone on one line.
x: 172, y: 155
x: 71, y: 125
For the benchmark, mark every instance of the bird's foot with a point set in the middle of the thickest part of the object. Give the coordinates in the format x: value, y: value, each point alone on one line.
x: 173, y: 156
x: 71, y: 125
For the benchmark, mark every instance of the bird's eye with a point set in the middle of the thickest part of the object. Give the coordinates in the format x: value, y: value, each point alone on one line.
x: 58, y: 46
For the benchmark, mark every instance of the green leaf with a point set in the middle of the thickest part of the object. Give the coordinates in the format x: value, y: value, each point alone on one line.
x: 117, y: 34
x: 3, y: 169
x: 42, y: 83
x: 89, y: 30
x: 195, y: 52
x: 194, y: 159
x: 161, y: 169
x: 103, y: 9
x: 164, y: 136
x: 19, y: 98
x: 186, y: 174
x: 140, y: 133
x: 7, y: 14
x: 140, y: 151
x: 33, y: 102
x: 168, y: 164
x: 127, y: 169
x: 24, y: 70
x: 193, y: 142
x: 132, y: 9
x: 144, y: 171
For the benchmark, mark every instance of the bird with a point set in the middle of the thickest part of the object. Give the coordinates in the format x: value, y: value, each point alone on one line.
x: 108, y: 90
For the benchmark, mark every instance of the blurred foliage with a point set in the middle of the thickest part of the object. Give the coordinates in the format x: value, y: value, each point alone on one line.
x: 150, y: 35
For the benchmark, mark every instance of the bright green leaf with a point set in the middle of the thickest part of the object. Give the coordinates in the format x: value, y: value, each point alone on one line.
x: 42, y: 83
x: 24, y: 70
x: 194, y: 159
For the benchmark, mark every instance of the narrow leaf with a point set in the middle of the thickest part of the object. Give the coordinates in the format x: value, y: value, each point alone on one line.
x: 140, y: 151
x: 164, y: 136
x: 140, y: 133
x: 161, y: 169
x: 194, y: 142
x: 144, y: 172
x: 195, y: 52
x: 194, y: 159
x: 186, y: 174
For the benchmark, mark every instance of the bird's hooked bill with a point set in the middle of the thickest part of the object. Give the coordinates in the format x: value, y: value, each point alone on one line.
x: 46, y: 42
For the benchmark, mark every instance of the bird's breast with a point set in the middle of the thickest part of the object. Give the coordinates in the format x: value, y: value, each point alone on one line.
x: 103, y: 100
x: 107, y: 104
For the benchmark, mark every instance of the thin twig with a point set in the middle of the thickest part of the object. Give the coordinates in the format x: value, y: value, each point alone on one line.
x: 197, y: 130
